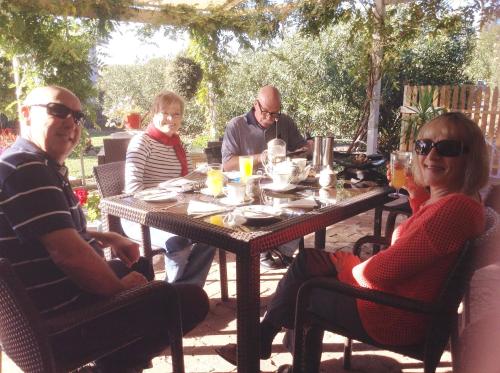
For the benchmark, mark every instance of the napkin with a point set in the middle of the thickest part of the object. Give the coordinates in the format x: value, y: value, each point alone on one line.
x: 300, y: 203
x: 177, y: 182
x: 199, y: 207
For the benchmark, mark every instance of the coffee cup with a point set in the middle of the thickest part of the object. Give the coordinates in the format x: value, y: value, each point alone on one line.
x: 235, y: 192
x: 281, y: 178
x: 300, y: 163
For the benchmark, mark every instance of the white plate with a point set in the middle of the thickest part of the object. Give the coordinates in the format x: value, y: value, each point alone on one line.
x: 229, y: 202
x: 206, y: 192
x: 279, y: 187
x: 259, y: 212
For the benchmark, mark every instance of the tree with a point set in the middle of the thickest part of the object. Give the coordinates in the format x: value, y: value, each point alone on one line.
x: 45, y: 49
x: 185, y: 75
x: 394, y: 31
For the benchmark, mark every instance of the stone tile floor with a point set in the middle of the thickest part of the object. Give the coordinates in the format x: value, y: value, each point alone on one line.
x: 219, y: 327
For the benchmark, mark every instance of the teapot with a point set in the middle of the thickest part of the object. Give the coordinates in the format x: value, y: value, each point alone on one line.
x: 275, y: 153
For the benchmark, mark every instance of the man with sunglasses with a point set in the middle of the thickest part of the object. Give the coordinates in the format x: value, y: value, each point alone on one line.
x: 249, y: 134
x: 43, y: 233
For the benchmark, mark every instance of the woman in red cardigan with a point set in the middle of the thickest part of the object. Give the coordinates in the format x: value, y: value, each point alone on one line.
x: 450, y: 166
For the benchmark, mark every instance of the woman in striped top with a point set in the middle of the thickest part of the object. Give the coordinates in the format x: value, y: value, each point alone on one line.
x: 153, y: 157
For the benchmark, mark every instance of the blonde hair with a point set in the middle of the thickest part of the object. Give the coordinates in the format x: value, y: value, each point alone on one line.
x: 166, y: 97
x: 476, y: 172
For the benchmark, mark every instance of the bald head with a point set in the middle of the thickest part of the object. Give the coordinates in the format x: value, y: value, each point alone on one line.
x: 269, y: 96
x: 268, y: 101
x: 44, y: 95
x: 45, y: 127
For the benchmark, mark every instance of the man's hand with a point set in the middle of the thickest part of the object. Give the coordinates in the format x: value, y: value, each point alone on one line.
x: 132, y: 280
x: 124, y: 248
x: 344, y: 261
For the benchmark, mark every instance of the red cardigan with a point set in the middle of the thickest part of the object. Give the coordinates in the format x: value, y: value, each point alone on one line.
x: 415, y: 265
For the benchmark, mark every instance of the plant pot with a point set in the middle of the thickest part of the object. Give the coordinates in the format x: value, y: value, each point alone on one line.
x: 133, y: 121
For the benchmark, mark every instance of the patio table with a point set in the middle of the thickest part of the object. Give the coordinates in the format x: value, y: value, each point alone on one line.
x: 246, y: 242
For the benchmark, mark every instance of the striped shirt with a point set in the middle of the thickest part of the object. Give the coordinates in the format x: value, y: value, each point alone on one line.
x: 149, y: 163
x: 35, y: 199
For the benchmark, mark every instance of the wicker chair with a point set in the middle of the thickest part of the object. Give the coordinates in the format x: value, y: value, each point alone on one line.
x: 379, y: 241
x: 442, y: 324
x: 110, y: 178
x: 26, y: 337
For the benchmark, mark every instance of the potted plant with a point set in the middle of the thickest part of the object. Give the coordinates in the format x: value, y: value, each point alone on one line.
x: 420, y: 114
x: 90, y: 204
x: 124, y: 113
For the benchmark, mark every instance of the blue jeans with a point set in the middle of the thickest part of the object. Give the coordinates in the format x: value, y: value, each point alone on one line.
x: 186, y: 262
x: 289, y: 248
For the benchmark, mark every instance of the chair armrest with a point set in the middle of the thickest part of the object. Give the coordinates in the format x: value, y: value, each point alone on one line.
x: 375, y: 296
x: 74, y: 318
x: 372, y: 239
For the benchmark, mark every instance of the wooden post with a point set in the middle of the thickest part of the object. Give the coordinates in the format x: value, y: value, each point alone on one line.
x: 376, y: 56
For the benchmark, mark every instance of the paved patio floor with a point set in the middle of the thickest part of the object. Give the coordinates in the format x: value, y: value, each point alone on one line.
x: 219, y: 328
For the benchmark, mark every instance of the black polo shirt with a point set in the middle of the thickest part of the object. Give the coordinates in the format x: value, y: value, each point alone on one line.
x: 35, y: 199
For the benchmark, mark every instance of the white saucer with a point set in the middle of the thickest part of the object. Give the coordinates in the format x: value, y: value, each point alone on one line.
x: 279, y: 187
x: 206, y: 192
x: 229, y: 202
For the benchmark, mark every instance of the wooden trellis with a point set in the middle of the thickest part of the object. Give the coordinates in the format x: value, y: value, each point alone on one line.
x: 480, y: 103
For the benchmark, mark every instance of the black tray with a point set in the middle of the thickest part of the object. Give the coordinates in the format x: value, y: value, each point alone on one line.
x: 348, y: 160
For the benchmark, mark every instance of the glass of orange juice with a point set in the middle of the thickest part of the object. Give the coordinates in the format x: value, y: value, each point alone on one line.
x: 400, y: 165
x: 215, y: 179
x: 246, y: 167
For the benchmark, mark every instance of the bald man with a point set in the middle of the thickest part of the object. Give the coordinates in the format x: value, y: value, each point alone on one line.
x: 249, y: 134
x: 43, y: 234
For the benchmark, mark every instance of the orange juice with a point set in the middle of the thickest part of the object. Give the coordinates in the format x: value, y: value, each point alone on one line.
x: 216, y: 220
x: 215, y: 181
x: 398, y: 176
x: 246, y: 167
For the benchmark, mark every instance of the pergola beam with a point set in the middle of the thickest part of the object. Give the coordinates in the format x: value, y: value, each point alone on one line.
x: 154, y: 12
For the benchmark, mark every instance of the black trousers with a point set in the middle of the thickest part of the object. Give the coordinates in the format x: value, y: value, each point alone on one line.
x: 143, y: 322
x: 340, y: 309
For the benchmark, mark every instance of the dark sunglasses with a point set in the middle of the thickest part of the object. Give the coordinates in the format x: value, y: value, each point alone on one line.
x: 62, y: 111
x: 445, y: 148
x: 269, y: 113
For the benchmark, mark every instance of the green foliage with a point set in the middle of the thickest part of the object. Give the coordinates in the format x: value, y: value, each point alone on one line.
x: 319, y: 79
x: 185, y: 75
x: 124, y: 85
x: 7, y: 93
x: 50, y: 49
x: 93, y: 211
x: 131, y: 86
x: 485, y: 63
x: 423, y: 112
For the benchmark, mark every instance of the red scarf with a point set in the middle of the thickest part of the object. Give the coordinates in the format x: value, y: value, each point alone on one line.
x: 174, y: 141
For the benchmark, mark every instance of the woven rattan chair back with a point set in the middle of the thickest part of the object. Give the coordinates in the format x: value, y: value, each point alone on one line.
x: 22, y: 335
x: 115, y: 148
x: 442, y: 317
x: 110, y: 179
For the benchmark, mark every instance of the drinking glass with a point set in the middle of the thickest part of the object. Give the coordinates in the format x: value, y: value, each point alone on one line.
x: 215, y: 179
x: 400, y: 165
x: 246, y: 167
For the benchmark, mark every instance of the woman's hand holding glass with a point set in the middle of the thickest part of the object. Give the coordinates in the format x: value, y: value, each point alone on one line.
x: 399, y: 169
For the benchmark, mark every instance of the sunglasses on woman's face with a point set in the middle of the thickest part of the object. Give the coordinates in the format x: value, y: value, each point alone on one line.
x: 62, y: 111
x: 445, y: 148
